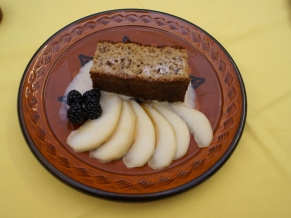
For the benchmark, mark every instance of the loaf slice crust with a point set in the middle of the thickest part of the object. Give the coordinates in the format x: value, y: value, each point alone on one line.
x: 141, y: 71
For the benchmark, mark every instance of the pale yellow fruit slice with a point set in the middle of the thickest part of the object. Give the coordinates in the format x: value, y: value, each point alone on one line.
x: 166, y: 140
x: 94, y: 133
x: 197, y: 123
x: 145, y: 138
x: 180, y: 128
x: 121, y: 140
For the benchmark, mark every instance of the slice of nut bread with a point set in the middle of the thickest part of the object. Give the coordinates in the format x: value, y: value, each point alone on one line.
x: 142, y: 71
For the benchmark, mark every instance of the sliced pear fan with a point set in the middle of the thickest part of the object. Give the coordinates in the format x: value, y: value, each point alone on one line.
x: 145, y: 138
x: 94, y: 133
x: 197, y: 123
x: 121, y: 140
x: 166, y: 141
x: 180, y: 128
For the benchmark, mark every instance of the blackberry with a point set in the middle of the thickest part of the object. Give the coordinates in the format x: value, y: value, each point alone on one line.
x: 76, y: 113
x: 92, y: 108
x: 73, y: 97
x: 93, y: 93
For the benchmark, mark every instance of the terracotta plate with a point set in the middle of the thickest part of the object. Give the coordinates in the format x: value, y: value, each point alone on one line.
x: 215, y: 77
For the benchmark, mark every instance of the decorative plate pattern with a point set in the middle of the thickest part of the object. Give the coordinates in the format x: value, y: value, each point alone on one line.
x: 217, y: 82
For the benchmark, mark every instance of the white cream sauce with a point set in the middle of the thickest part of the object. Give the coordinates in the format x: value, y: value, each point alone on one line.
x: 190, y: 96
x: 81, y: 82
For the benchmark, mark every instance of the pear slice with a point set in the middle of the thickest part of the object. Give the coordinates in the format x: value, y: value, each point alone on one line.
x: 166, y: 140
x: 94, y: 133
x: 180, y: 128
x: 197, y: 123
x: 121, y: 140
x: 145, y: 138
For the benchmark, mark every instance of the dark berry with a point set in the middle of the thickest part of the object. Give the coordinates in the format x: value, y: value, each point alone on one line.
x: 93, y: 93
x: 73, y: 97
x: 76, y: 113
x: 92, y: 108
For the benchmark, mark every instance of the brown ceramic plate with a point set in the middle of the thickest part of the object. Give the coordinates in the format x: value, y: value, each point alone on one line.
x: 215, y: 77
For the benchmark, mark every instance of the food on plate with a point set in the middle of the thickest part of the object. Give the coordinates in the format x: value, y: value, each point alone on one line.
x: 94, y: 133
x: 197, y: 123
x: 93, y: 109
x: 157, y: 130
x: 121, y: 140
x: 141, y: 71
x: 180, y: 128
x: 76, y: 113
x: 145, y: 139
x: 73, y: 97
x: 91, y: 94
x: 166, y: 146
x: 83, y: 107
